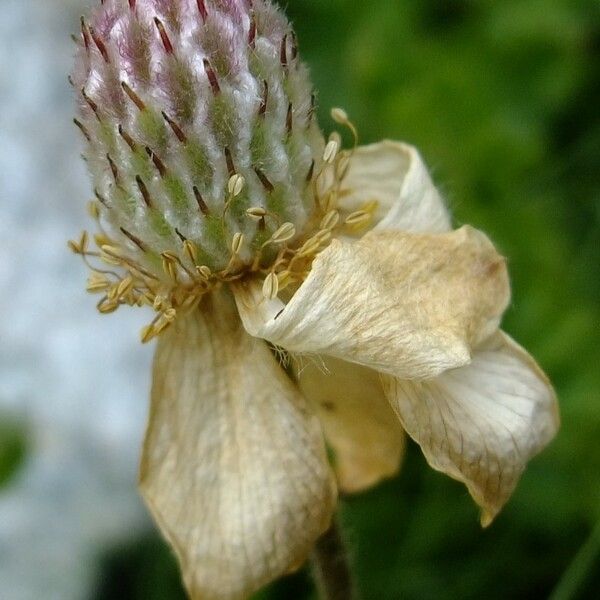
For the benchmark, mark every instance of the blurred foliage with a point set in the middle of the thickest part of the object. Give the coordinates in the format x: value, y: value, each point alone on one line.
x: 13, y: 449
x: 503, y: 100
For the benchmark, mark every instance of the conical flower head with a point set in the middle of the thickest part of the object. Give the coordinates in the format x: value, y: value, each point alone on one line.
x: 199, y: 127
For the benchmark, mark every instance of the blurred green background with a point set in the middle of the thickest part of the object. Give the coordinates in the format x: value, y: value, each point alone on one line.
x: 502, y: 98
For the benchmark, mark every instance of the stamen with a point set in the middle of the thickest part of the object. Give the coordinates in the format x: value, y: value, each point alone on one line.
x: 270, y: 287
x: 285, y: 233
x: 236, y: 184
x: 84, y: 34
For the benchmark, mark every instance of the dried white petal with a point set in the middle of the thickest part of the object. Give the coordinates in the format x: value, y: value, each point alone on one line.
x: 481, y: 423
x: 234, y: 467
x: 358, y: 421
x: 411, y: 305
x: 393, y: 174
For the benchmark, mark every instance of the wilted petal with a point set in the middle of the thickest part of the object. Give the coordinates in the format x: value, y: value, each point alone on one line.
x: 358, y: 421
x: 410, y: 305
x: 481, y: 423
x: 234, y: 467
x: 393, y: 173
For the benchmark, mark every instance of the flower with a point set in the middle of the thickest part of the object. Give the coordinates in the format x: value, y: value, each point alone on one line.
x: 221, y: 206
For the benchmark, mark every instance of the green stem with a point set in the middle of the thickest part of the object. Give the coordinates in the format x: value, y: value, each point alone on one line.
x: 331, y: 569
x: 574, y: 578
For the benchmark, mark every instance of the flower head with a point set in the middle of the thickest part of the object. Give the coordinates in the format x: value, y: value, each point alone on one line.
x: 221, y: 206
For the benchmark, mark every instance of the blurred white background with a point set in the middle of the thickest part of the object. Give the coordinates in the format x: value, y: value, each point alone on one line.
x: 75, y: 382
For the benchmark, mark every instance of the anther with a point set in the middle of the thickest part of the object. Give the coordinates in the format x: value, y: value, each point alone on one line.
x: 158, y: 163
x: 330, y: 220
x: 100, y: 45
x: 265, y: 99
x: 201, y: 204
x: 235, y: 185
x: 204, y: 272
x: 176, y: 129
x: 264, y: 180
x: 237, y: 243
x: 286, y: 232
x: 113, y: 168
x: 339, y: 115
x: 202, y: 9
x: 133, y: 96
x: 331, y: 151
x: 212, y: 77
x: 252, y: 33
x: 128, y: 139
x: 83, y: 130
x: 256, y: 212
x: 144, y: 191
x: 191, y: 251
x: 134, y: 239
x: 270, y: 287
x: 163, y: 35
x: 230, y: 163
x: 294, y: 46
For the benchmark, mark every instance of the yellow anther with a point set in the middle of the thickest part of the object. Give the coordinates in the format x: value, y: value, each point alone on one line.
x: 331, y: 151
x: 286, y: 232
x: 256, y: 212
x: 358, y: 218
x: 93, y: 210
x: 339, y: 115
x: 284, y: 278
x: 97, y: 283
x: 237, y: 243
x: 191, y: 250
x: 330, y: 220
x: 147, y: 333
x: 124, y: 286
x: 204, y: 272
x: 106, y: 306
x: 270, y: 287
x: 236, y: 184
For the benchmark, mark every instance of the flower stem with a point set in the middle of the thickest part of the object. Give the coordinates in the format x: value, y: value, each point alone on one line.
x: 330, y: 566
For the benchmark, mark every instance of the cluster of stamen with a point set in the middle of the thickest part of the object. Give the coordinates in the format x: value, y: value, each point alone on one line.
x: 282, y: 261
x: 208, y: 164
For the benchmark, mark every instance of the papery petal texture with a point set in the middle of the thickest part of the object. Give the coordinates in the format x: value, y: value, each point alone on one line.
x: 357, y: 419
x: 234, y: 467
x: 409, y: 305
x: 393, y: 174
x: 481, y: 423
